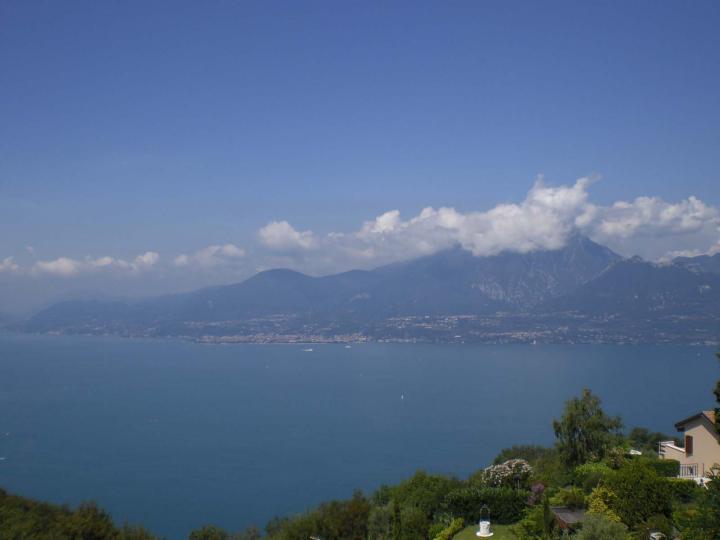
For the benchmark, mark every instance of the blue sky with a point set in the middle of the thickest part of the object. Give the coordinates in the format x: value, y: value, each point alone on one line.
x: 130, y: 128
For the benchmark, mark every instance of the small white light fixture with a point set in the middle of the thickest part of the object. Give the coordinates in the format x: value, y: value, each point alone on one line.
x: 484, y: 529
x: 484, y: 525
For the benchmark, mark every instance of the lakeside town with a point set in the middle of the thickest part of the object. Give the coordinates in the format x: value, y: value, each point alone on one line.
x: 503, y: 329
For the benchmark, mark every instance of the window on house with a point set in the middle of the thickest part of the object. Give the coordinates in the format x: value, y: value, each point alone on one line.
x: 688, y: 445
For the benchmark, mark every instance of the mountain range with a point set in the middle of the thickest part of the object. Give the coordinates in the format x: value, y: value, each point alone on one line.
x: 581, y: 292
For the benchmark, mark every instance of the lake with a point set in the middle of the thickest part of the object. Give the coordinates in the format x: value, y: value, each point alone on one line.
x: 174, y: 435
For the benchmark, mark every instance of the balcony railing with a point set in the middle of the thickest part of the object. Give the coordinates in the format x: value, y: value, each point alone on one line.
x: 689, y: 471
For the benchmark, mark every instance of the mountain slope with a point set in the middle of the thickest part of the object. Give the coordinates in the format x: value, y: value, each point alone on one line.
x: 635, y: 288
x: 702, y: 263
x: 450, y: 282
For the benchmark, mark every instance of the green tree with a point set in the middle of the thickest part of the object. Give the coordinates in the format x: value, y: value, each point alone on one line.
x: 529, y: 452
x: 345, y: 520
x: 414, y: 523
x: 584, y: 432
x: 648, y: 441
x: 209, y: 532
x: 380, y: 522
x: 251, y: 533
x: 396, y: 520
x: 131, y: 532
x: 90, y: 523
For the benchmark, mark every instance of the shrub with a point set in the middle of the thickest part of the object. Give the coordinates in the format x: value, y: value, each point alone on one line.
x: 601, y: 503
x: 641, y: 493
x: 702, y: 521
x: 666, y: 467
x: 683, y: 490
x: 589, y: 475
x: 451, y: 530
x: 538, y: 522
x: 597, y: 527
x: 571, y: 497
x: 435, y: 530
x: 424, y: 491
x: 505, y: 505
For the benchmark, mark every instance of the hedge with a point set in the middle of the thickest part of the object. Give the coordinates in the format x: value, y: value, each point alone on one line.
x: 663, y: 467
x: 682, y: 489
x: 505, y: 505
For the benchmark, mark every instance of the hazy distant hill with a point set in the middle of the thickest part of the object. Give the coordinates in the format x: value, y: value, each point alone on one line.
x: 516, y: 291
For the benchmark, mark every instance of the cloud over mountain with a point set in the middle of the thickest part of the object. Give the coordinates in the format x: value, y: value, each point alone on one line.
x: 544, y: 220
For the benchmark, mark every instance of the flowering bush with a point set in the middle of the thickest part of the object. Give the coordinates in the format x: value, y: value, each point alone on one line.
x: 512, y: 473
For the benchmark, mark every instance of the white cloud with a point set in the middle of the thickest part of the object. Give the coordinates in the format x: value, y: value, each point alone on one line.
x: 210, y: 256
x: 544, y: 220
x: 62, y: 266
x: 8, y: 265
x: 68, y: 267
x: 657, y: 229
x: 651, y: 215
x: 146, y: 260
x: 281, y: 236
x: 712, y: 250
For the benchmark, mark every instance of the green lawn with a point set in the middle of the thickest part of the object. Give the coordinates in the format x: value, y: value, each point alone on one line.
x: 502, y: 532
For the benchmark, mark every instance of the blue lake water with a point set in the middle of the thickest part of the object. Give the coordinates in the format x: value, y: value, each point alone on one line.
x: 174, y: 435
